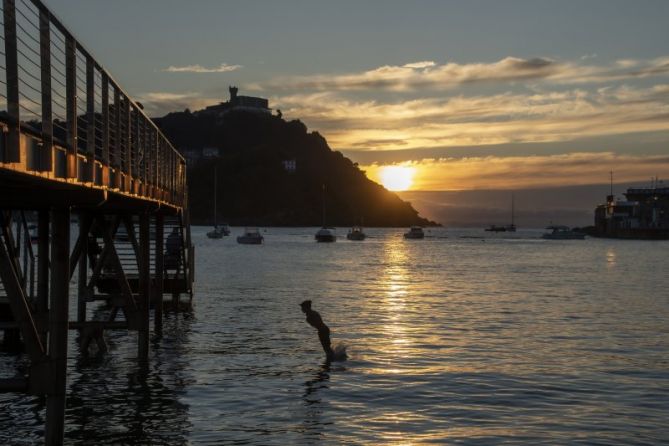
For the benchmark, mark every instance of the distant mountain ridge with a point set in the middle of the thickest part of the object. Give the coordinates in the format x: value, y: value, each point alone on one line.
x: 273, y: 172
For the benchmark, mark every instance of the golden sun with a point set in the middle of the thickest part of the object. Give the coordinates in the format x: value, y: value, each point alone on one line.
x: 397, y: 178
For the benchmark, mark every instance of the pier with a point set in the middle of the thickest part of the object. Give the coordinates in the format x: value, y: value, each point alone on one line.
x: 88, y: 185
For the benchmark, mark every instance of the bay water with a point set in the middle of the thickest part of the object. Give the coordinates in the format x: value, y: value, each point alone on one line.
x: 464, y: 337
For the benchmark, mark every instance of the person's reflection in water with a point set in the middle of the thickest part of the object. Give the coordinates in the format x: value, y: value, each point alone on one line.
x: 318, y: 382
x: 314, y: 319
x: 316, y: 406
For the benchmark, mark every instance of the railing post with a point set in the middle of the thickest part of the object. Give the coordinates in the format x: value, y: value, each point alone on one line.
x: 127, y: 142
x: 58, y: 325
x: 90, y: 118
x: 134, y: 119
x: 71, y: 105
x: 116, y: 147
x: 105, y: 129
x: 46, y: 154
x: 12, y: 148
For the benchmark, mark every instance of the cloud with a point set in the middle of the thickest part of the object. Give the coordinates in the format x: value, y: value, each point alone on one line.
x: 161, y: 103
x: 422, y: 64
x: 424, y: 74
x: 434, y: 76
x: 502, y: 118
x: 222, y: 68
x: 523, y: 172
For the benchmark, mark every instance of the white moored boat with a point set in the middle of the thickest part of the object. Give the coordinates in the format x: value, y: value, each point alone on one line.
x: 326, y: 235
x: 251, y: 236
x: 414, y: 232
x: 356, y: 233
x: 559, y: 232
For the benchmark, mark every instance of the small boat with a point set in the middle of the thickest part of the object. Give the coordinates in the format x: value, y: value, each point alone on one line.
x: 326, y: 235
x: 224, y: 229
x: 505, y: 228
x: 495, y: 228
x: 415, y: 232
x: 356, y: 233
x: 251, y: 236
x: 218, y: 232
x: 559, y: 232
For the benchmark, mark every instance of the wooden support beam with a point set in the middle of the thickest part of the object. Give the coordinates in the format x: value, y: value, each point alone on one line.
x: 19, y: 305
x: 9, y: 325
x: 42, y: 303
x: 58, y: 325
x: 144, y: 287
x: 81, y: 245
x: 18, y: 385
x: 130, y: 230
x: 82, y: 288
x: 130, y: 309
x: 106, y: 325
x: 11, y: 245
x: 159, y: 274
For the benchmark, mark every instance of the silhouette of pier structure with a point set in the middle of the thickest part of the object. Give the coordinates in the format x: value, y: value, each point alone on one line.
x: 74, y: 145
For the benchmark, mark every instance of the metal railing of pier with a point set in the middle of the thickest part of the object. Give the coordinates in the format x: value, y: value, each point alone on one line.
x: 64, y: 118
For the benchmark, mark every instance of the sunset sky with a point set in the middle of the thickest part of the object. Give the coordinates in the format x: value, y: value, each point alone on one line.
x: 472, y: 95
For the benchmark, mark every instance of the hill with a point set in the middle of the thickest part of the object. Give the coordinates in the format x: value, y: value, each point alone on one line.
x: 256, y: 188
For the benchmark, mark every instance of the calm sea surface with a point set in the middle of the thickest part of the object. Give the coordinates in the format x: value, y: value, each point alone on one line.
x: 461, y: 338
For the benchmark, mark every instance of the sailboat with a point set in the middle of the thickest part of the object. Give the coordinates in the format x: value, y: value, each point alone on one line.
x: 512, y: 226
x: 325, y: 234
x: 505, y: 228
x: 219, y: 231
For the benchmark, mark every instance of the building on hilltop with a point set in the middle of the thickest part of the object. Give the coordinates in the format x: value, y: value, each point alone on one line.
x: 237, y: 102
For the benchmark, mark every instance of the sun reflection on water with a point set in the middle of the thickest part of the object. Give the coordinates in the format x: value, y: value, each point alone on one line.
x: 611, y: 258
x: 395, y: 283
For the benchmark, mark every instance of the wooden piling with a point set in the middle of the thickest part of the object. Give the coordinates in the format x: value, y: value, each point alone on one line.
x: 43, y: 271
x: 159, y: 275
x: 84, y: 225
x: 144, y: 287
x: 58, y: 325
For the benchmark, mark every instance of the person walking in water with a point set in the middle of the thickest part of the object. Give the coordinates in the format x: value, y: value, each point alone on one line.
x: 314, y: 319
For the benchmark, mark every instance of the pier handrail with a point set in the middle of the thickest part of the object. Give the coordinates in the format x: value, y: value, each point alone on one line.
x: 65, y: 118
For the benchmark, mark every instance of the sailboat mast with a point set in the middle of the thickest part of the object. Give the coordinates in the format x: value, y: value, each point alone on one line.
x: 323, y: 204
x: 512, y: 210
x: 215, y: 197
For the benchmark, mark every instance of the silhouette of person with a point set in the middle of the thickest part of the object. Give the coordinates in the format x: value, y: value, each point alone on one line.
x: 314, y: 319
x: 173, y: 250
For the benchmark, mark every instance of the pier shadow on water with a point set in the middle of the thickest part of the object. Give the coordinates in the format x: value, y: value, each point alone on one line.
x: 114, y: 400
x: 111, y: 398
